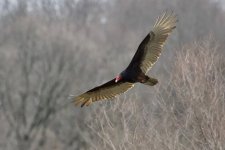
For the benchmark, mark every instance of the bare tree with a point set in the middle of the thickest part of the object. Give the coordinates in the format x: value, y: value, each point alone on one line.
x: 186, y: 114
x: 36, y: 81
x: 50, y: 49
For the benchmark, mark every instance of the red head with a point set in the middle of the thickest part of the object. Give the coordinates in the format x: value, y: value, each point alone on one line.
x: 118, y: 78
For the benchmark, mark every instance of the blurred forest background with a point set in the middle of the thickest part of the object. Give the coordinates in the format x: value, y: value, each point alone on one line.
x: 50, y: 49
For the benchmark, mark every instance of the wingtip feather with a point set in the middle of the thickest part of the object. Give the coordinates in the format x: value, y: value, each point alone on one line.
x: 167, y: 20
x: 86, y: 103
x: 80, y: 100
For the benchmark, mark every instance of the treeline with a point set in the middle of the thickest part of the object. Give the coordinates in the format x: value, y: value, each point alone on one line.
x: 50, y: 49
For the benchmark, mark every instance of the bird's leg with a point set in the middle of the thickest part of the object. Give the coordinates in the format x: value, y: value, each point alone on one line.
x: 149, y: 81
x: 142, y: 78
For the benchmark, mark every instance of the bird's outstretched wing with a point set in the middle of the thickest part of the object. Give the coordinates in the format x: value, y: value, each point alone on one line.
x: 151, y: 47
x: 105, y: 91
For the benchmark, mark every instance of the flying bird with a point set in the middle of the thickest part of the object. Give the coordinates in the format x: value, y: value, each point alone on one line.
x: 145, y: 57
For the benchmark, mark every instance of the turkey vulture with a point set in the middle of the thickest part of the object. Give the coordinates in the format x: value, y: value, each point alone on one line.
x: 145, y: 57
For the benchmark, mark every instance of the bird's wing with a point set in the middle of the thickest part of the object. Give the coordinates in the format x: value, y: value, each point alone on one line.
x: 105, y: 91
x: 150, y: 48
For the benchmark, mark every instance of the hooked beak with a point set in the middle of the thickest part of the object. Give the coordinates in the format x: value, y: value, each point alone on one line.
x: 118, y: 78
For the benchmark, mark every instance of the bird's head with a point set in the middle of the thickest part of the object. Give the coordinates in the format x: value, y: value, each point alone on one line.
x: 118, y: 78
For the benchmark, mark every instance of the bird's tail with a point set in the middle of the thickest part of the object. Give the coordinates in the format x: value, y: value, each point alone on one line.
x: 151, y: 81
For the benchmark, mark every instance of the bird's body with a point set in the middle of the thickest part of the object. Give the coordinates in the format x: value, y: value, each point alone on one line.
x: 146, y: 55
x: 131, y: 74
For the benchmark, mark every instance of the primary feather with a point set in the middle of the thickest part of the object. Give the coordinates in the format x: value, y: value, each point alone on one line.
x: 157, y: 37
x: 105, y: 91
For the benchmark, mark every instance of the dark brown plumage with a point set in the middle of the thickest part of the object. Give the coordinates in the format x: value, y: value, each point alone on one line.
x: 145, y: 57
